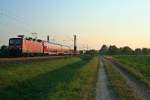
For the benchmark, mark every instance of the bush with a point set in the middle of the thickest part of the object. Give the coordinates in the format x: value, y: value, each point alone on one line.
x: 86, y: 57
x: 4, y: 51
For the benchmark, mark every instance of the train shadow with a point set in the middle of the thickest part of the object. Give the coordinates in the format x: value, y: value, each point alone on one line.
x: 42, y: 86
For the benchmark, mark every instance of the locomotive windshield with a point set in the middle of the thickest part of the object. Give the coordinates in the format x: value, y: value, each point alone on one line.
x: 15, y: 41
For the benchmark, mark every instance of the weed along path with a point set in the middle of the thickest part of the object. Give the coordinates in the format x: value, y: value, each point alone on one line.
x: 138, y: 89
x: 103, y: 92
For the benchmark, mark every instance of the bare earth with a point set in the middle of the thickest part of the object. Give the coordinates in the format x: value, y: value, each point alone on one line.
x: 103, y: 92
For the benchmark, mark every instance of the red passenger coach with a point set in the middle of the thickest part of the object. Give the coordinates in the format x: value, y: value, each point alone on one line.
x: 51, y: 48
x: 28, y: 46
x: 54, y: 48
x: 67, y: 50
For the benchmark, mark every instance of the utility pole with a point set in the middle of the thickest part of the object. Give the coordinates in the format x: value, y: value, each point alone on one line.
x: 75, y: 43
x: 87, y: 47
x: 47, y: 38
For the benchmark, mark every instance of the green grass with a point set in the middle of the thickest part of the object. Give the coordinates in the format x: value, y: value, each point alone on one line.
x: 117, y: 82
x: 139, y: 66
x: 63, y: 79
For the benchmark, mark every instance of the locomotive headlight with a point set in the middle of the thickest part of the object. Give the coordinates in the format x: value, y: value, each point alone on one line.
x: 19, y: 47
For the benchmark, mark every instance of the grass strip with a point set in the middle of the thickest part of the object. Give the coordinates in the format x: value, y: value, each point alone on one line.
x: 140, y: 63
x: 82, y: 86
x: 123, y: 92
x: 13, y: 73
x: 131, y: 67
x: 64, y: 79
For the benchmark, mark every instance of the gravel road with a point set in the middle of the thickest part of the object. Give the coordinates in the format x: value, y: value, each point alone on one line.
x: 103, y: 91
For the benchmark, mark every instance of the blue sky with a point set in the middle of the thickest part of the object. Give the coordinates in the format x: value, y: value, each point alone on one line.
x: 119, y: 22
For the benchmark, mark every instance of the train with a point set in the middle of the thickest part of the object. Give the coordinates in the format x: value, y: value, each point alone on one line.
x: 21, y: 46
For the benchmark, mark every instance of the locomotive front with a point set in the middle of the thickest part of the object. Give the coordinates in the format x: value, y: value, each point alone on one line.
x: 15, y: 46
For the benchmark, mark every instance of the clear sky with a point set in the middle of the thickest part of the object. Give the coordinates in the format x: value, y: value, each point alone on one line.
x: 96, y: 22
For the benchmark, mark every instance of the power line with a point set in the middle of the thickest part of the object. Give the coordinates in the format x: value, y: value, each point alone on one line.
x: 16, y: 19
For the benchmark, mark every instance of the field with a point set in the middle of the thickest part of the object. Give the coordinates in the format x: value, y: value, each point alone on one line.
x: 117, y: 82
x: 77, y: 78
x: 139, y: 66
x: 62, y: 79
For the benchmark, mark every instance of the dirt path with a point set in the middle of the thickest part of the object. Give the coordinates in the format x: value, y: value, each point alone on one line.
x: 102, y: 90
x: 138, y: 89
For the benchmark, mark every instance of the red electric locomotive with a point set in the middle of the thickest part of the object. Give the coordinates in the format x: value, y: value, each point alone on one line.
x: 28, y: 46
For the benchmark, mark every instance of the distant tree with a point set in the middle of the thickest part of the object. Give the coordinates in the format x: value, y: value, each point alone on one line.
x: 113, y: 50
x: 92, y: 52
x: 0, y: 51
x: 4, y: 47
x: 103, y: 50
x: 138, y: 51
x: 120, y: 51
x: 4, y: 52
x: 149, y: 51
x: 127, y: 50
x: 81, y: 51
x: 145, y: 51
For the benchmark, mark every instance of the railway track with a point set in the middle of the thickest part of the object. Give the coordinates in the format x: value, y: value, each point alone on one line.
x: 21, y: 59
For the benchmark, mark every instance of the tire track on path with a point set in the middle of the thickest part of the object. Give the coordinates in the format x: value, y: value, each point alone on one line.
x: 103, y: 92
x: 138, y: 89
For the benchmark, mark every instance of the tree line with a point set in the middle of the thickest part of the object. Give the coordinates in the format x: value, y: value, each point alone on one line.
x: 126, y: 50
x: 4, y: 51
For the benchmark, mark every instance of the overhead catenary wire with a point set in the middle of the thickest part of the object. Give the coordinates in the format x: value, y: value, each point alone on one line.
x: 13, y: 18
x: 21, y: 23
